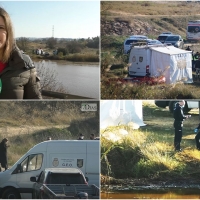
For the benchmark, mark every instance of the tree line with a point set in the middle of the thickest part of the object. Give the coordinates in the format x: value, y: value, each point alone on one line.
x: 65, y: 46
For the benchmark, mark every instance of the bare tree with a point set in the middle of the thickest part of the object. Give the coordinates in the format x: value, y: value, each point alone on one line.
x: 48, y: 76
x: 22, y: 43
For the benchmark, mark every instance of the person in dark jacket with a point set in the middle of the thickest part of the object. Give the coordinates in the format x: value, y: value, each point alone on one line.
x: 81, y: 137
x: 3, y: 154
x: 18, y: 76
x: 179, y: 117
x: 197, y: 137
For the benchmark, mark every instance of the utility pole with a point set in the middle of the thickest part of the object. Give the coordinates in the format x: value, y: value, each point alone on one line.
x: 53, y: 32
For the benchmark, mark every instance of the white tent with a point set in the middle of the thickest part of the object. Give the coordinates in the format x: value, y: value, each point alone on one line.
x: 116, y: 112
x: 175, y: 64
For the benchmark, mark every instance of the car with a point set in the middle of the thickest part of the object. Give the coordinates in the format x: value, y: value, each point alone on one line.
x: 153, y: 42
x: 56, y: 176
x: 132, y: 39
x: 162, y: 37
x: 167, y: 33
x: 175, y: 40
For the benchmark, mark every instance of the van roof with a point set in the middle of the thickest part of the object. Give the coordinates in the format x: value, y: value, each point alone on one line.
x: 64, y: 170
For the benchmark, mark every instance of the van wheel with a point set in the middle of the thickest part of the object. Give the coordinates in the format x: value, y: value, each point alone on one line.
x: 11, y: 194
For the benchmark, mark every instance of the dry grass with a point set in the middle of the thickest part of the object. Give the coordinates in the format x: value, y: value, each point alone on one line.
x: 33, y: 122
x: 149, y: 152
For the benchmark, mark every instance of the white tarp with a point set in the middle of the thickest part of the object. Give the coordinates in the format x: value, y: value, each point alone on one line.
x: 173, y: 63
x: 116, y: 112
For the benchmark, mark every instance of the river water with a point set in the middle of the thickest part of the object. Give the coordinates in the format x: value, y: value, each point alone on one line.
x: 173, y: 193
x: 82, y: 79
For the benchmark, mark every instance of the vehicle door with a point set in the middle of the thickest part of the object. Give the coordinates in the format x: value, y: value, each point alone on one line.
x: 38, y: 185
x: 139, y: 62
x: 30, y: 166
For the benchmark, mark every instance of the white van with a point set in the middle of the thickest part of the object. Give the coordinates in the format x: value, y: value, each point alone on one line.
x: 140, y: 60
x: 172, y: 63
x: 82, y: 154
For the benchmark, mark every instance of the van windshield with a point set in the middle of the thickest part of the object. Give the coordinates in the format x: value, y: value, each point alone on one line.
x: 172, y: 38
x: 56, y: 178
x: 193, y: 29
x: 130, y: 41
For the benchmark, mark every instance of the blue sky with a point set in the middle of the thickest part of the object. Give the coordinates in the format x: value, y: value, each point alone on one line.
x: 71, y: 19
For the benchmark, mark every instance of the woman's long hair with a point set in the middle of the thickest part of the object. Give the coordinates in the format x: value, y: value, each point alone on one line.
x: 10, y: 40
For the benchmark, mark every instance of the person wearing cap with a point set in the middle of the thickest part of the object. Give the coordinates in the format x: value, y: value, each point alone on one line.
x: 179, y: 117
x: 3, y: 154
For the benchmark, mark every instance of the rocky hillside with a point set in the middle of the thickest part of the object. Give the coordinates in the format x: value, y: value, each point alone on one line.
x: 124, y: 22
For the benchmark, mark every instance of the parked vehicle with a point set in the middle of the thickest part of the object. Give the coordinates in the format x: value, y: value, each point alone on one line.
x: 188, y: 105
x: 169, y: 33
x: 175, y: 40
x: 162, y: 37
x: 132, y: 39
x: 153, y: 42
x: 157, y: 60
x: 193, y: 30
x: 63, y: 191
x: 82, y: 154
x: 65, y: 176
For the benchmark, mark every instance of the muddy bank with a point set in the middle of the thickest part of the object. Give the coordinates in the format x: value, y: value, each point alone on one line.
x: 112, y: 184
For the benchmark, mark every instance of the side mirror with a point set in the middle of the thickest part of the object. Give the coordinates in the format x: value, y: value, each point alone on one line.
x: 33, y: 179
x: 87, y: 179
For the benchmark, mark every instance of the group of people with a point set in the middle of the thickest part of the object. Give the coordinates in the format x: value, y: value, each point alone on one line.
x: 92, y: 137
x: 179, y: 117
x: 195, y: 59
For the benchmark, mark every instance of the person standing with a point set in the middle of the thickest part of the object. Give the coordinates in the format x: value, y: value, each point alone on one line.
x: 179, y: 117
x: 92, y: 136
x: 197, y: 137
x: 81, y: 137
x: 3, y: 153
x: 18, y: 76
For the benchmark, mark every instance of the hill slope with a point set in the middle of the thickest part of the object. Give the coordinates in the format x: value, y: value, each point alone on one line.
x: 147, y: 18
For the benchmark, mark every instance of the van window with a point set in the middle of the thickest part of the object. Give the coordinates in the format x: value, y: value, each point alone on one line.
x: 56, y: 178
x: 32, y: 162
x: 193, y: 29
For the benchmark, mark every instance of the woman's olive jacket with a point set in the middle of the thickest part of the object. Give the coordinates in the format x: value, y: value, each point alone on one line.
x: 19, y: 78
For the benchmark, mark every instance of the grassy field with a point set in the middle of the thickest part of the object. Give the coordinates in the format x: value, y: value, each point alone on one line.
x: 26, y: 124
x: 148, y: 153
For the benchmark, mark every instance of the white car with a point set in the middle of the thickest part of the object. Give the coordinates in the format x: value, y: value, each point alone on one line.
x: 132, y: 39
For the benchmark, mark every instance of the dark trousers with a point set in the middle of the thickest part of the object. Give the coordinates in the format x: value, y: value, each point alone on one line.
x: 197, y: 138
x: 178, y: 126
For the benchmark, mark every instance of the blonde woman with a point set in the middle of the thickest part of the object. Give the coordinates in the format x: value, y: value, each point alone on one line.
x: 18, y: 77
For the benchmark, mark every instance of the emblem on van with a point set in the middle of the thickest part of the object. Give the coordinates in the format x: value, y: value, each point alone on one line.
x: 133, y: 59
x: 79, y: 163
x: 55, y: 162
x: 140, y: 58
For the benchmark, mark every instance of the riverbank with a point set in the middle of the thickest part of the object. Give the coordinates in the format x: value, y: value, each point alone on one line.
x: 112, y: 184
x: 73, y: 58
x: 146, y: 157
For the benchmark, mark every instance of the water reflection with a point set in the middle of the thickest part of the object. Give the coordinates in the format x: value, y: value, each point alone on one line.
x: 170, y: 193
x: 78, y: 78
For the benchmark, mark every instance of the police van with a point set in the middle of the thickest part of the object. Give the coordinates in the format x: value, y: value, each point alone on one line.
x: 82, y: 154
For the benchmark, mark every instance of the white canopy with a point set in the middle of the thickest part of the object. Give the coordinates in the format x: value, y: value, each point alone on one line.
x: 116, y: 112
x: 173, y: 63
